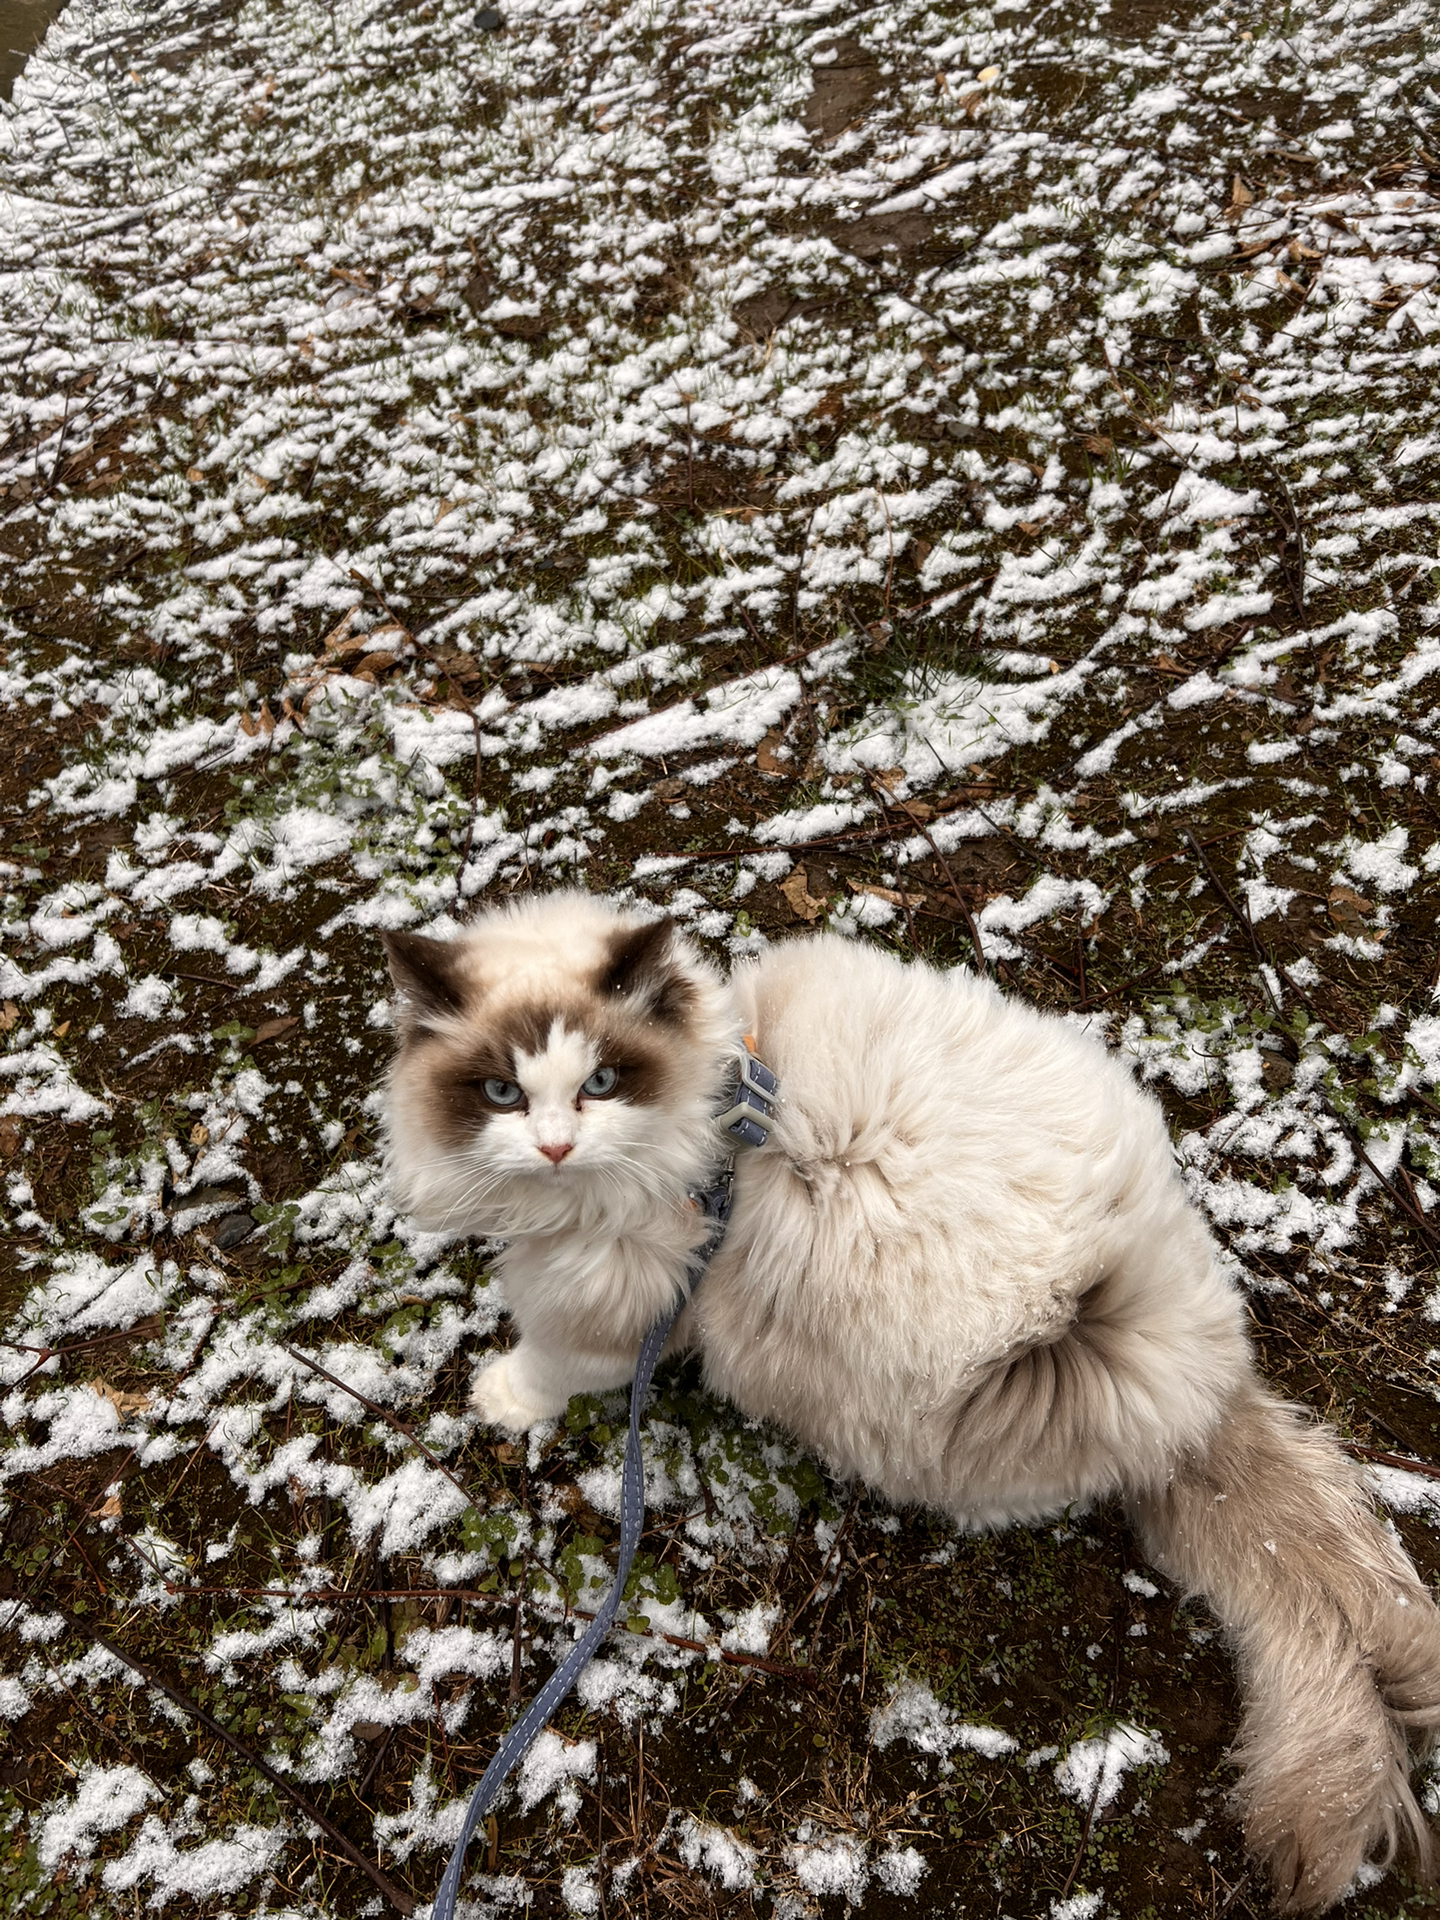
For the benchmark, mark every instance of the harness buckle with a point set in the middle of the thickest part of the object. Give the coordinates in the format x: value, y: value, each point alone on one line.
x: 750, y: 1116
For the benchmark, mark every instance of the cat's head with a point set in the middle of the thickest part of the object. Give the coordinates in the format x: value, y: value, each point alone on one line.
x: 557, y: 1061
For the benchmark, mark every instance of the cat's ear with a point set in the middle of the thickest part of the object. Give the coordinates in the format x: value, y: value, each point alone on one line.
x: 428, y: 973
x: 644, y: 969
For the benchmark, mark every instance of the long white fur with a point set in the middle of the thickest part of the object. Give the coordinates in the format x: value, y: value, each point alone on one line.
x: 964, y: 1269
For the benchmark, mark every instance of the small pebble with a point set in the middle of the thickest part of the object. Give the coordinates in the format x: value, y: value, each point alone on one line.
x: 234, y: 1228
x: 488, y: 20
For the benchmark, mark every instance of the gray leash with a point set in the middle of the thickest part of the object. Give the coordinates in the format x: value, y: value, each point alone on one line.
x: 715, y: 1203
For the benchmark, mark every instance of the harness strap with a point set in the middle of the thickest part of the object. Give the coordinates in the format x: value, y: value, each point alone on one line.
x: 715, y: 1203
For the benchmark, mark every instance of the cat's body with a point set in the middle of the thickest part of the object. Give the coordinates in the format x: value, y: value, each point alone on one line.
x: 963, y: 1269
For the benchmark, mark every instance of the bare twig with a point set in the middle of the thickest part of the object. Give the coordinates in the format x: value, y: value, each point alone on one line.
x: 384, y: 1414
x: 1383, y: 1459
x: 341, y: 1596
x: 1271, y: 970
x: 397, y: 1896
x: 1089, y: 1827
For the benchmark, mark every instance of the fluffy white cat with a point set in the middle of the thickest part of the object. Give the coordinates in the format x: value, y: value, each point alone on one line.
x: 964, y: 1269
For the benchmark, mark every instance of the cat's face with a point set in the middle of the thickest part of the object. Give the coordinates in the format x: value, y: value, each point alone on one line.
x: 547, y: 1055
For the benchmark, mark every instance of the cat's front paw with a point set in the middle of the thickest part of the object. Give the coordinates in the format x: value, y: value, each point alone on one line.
x: 495, y: 1398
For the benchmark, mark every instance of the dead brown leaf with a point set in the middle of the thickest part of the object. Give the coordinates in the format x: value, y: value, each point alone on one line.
x: 10, y: 1017
x: 888, y: 893
x: 773, y: 756
x: 1347, y: 898
x: 9, y: 1136
x: 272, y: 1029
x: 123, y: 1402
x: 802, y: 902
x: 337, y: 633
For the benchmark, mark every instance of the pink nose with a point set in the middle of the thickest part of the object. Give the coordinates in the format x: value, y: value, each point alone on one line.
x: 558, y: 1152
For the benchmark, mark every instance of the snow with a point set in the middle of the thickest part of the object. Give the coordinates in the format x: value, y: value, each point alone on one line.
x: 913, y: 1714
x: 422, y: 607
x: 1093, y: 1771
x: 105, y: 1799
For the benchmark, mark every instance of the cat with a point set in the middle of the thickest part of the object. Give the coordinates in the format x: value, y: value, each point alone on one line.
x: 964, y: 1270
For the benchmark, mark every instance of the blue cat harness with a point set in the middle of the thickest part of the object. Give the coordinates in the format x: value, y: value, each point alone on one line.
x: 747, y: 1115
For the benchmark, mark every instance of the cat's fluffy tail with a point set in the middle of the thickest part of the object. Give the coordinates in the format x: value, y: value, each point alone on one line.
x: 1337, y: 1639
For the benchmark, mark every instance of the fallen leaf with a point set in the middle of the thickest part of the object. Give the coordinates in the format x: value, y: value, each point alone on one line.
x: 272, y: 1029
x: 9, y: 1017
x: 194, y: 476
x: 379, y: 662
x: 1028, y: 526
x: 124, y: 1403
x: 1346, y: 898
x: 888, y: 893
x: 891, y: 777
x: 111, y: 1510
x: 1098, y: 443
x: 332, y: 640
x: 773, y: 756
x: 199, y: 1135
x: 797, y: 892
x: 1242, y: 194
x: 62, y: 1029
x: 446, y: 506
x: 9, y: 1137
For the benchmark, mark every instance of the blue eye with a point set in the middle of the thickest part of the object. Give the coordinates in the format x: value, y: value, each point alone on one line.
x: 601, y: 1082
x: 501, y: 1093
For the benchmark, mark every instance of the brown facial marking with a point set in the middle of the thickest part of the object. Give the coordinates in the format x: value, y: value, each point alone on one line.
x: 622, y: 1038
x: 428, y: 973
x: 640, y: 968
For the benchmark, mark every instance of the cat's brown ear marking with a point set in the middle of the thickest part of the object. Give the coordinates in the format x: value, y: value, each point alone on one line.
x: 428, y: 973
x: 642, y: 969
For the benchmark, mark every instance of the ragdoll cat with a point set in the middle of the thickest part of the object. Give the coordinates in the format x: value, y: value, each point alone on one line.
x: 964, y: 1269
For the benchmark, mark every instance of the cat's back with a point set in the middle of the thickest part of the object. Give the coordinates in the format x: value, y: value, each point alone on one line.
x: 950, y: 1176
x: 877, y: 1057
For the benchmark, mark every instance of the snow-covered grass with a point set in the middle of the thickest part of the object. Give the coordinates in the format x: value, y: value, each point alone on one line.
x: 964, y: 476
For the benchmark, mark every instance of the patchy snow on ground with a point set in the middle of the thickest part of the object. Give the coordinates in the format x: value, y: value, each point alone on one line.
x: 902, y: 473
